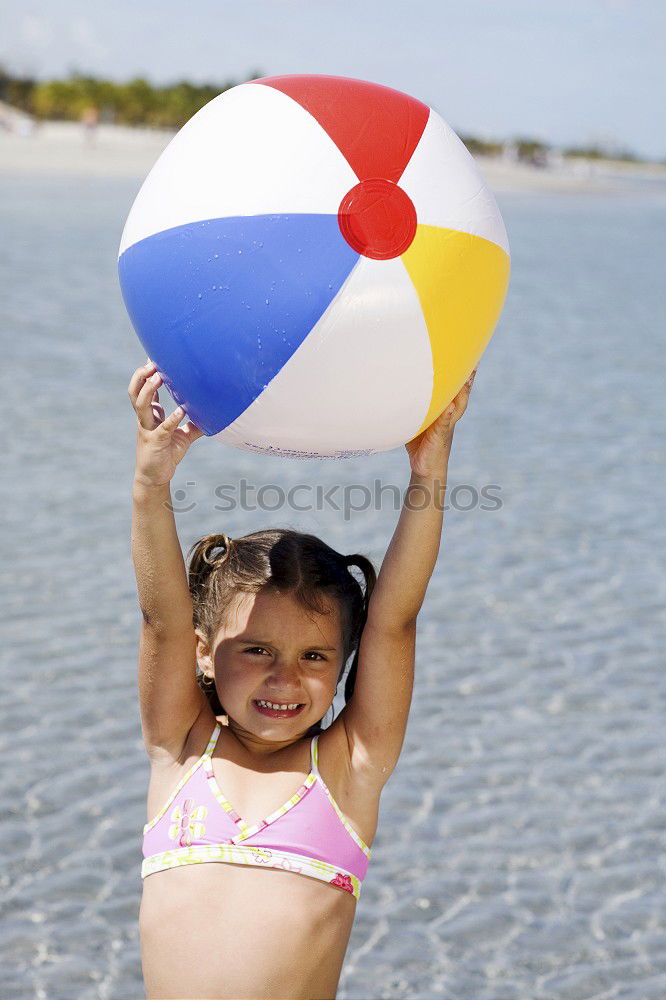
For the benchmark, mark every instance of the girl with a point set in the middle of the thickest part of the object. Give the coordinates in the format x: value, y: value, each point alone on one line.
x: 242, y: 772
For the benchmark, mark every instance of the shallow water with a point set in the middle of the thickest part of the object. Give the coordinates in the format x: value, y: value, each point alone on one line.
x: 521, y: 839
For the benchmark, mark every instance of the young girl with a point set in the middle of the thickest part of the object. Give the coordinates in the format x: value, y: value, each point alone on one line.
x: 242, y: 773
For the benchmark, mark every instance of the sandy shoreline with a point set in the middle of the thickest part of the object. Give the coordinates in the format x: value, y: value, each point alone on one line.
x: 64, y: 149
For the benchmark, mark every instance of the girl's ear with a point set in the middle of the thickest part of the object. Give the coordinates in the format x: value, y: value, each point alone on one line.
x: 203, y: 651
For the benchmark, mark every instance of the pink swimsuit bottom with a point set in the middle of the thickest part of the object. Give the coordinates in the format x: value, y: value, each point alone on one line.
x: 307, y: 835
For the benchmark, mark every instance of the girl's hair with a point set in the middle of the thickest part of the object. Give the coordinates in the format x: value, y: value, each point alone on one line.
x: 290, y: 562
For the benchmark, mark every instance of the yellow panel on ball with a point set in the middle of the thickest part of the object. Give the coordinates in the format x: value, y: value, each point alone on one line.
x: 461, y: 281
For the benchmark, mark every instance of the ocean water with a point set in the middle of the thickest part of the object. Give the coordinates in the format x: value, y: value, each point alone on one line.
x: 521, y: 844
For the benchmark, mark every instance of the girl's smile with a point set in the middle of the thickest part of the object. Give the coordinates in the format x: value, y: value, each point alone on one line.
x: 274, y: 711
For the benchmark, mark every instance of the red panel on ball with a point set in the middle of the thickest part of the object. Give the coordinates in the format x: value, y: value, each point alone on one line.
x: 376, y: 128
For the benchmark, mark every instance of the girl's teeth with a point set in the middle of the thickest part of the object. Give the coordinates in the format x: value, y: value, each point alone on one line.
x: 270, y: 704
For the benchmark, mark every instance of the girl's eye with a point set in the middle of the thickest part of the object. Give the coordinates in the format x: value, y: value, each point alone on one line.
x: 260, y: 649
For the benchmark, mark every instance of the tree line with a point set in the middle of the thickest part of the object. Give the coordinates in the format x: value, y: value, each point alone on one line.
x: 139, y: 102
x: 136, y: 102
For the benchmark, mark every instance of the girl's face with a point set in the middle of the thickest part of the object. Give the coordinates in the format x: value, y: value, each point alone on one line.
x: 274, y: 650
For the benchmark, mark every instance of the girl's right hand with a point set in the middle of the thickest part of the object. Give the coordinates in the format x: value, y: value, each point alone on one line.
x: 161, y: 443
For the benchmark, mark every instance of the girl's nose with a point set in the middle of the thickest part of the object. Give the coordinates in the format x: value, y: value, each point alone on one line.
x: 284, y: 670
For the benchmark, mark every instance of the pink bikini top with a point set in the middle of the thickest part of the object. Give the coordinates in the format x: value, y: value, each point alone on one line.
x: 307, y: 835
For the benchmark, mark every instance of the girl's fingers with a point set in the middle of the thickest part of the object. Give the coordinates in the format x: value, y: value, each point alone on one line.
x: 148, y: 390
x: 143, y: 391
x: 144, y: 403
x: 190, y: 431
x: 172, y: 421
x: 458, y: 405
x: 462, y: 398
x: 193, y: 432
x: 138, y: 379
x: 140, y: 384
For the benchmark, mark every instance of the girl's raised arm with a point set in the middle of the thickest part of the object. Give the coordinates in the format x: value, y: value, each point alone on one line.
x: 376, y: 716
x: 169, y: 696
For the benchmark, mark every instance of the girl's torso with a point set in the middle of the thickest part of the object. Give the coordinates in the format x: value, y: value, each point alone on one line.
x: 229, y: 930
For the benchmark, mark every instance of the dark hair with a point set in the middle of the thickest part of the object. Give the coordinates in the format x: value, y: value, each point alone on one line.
x: 290, y: 562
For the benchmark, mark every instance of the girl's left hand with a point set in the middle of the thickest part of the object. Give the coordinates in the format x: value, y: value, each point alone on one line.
x: 429, y: 452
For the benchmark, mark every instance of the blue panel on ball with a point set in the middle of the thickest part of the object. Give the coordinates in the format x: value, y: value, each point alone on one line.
x: 221, y: 305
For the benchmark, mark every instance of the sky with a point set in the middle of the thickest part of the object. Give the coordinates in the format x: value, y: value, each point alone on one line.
x: 566, y: 72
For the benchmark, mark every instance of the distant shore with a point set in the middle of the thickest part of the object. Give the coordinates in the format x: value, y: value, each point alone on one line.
x: 69, y: 149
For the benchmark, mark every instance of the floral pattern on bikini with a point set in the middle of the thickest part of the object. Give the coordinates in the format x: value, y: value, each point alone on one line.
x: 261, y: 855
x: 343, y: 881
x: 186, y: 823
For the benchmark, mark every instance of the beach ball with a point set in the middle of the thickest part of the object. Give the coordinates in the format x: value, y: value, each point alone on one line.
x: 315, y: 264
